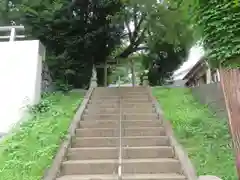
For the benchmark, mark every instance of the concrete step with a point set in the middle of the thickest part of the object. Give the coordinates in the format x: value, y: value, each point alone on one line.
x: 124, y: 105
x: 144, y: 131
x: 100, y: 117
x: 138, y: 105
x: 97, y: 132
x: 92, y: 177
x: 140, y: 116
x: 110, y: 101
x: 95, y: 142
x: 92, y: 153
x: 133, y: 141
x: 97, y: 110
x: 127, y: 153
x: 121, y: 95
x: 132, y: 116
x: 163, y: 176
x: 148, y: 152
x: 136, y: 100
x: 109, y: 105
x: 129, y: 166
x: 151, y: 166
x: 99, y: 124
x: 111, y: 132
x: 136, y: 141
x: 82, y: 167
x: 131, y: 96
x: 114, y: 124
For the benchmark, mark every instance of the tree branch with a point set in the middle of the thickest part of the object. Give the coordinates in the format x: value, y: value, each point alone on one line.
x: 135, y: 16
x: 129, y: 31
x: 133, y: 47
x: 138, y: 26
x: 140, y: 38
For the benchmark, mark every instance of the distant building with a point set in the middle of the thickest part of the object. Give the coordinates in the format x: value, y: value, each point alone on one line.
x: 201, y: 73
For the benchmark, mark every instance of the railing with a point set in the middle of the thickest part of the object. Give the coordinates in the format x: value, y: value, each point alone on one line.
x: 120, y: 138
x: 12, y: 32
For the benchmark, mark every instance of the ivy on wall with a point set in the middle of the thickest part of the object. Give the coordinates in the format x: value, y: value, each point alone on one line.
x: 219, y: 22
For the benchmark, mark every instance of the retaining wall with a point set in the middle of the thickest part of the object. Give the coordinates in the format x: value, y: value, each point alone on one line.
x: 211, y: 94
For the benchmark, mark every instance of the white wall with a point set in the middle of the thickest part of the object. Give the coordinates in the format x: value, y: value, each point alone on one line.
x: 20, y: 79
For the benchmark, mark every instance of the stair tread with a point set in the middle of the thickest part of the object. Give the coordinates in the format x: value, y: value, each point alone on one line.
x: 91, y: 161
x: 112, y: 120
x: 126, y: 147
x: 124, y: 137
x: 163, y: 176
x: 123, y: 161
x: 150, y: 160
x: 131, y: 128
x: 127, y: 113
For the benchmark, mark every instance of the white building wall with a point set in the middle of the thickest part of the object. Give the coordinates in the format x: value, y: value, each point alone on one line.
x: 20, y: 79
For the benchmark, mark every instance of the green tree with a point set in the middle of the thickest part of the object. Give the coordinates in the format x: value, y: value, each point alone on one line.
x: 77, y: 34
x: 162, y: 61
x: 148, y: 24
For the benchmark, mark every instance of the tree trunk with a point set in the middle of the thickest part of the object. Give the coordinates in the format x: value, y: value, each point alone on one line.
x: 230, y: 82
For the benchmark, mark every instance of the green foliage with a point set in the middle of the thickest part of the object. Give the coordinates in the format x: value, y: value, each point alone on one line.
x: 219, y: 23
x: 29, y: 149
x: 205, y: 137
x: 41, y: 107
x: 63, y: 86
x: 169, y: 26
x: 151, y: 23
x: 69, y: 30
x: 161, y: 61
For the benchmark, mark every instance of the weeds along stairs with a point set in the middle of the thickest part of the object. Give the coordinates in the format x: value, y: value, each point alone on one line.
x: 120, y: 137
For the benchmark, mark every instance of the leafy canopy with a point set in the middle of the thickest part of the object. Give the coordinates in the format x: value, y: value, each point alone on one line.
x: 78, y: 34
x: 217, y: 23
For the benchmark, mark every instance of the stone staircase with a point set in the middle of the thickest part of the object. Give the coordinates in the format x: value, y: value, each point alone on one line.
x: 142, y: 153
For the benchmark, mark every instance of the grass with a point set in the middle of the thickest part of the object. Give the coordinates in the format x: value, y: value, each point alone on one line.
x: 205, y: 137
x: 30, y: 148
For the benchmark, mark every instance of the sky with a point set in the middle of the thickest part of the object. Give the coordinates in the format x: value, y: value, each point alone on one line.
x: 195, y: 54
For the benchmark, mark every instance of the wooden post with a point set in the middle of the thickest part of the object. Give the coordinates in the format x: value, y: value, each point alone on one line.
x: 208, y: 76
x: 208, y: 73
x: 133, y: 72
x: 105, y: 66
x: 106, y: 74
x: 229, y: 79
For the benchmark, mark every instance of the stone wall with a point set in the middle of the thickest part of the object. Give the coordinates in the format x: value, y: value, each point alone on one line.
x: 211, y: 94
x: 47, y: 83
